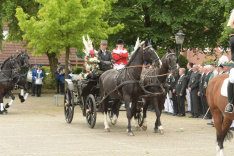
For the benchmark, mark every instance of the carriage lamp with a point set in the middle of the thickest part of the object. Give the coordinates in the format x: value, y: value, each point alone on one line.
x: 179, y: 37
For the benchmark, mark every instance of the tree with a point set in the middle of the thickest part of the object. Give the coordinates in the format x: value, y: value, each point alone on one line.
x: 60, y: 25
x: 158, y: 20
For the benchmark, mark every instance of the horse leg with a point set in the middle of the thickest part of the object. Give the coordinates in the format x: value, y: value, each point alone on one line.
x: 145, y: 107
x: 226, y: 134
x: 12, y: 100
x: 26, y: 95
x: 115, y: 109
x: 2, y: 111
x: 21, y: 95
x: 217, y: 115
x: 128, y: 113
x: 107, y: 128
x: 158, y: 125
x: 134, y: 113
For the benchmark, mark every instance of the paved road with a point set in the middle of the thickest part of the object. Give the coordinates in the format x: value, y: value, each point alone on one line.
x: 38, y: 127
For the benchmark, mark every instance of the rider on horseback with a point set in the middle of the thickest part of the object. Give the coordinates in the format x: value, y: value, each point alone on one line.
x: 230, y: 88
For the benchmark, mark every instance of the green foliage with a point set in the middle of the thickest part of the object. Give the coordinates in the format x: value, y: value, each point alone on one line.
x: 77, y: 70
x: 207, y: 61
x: 8, y: 11
x: 161, y: 52
x: 183, y: 62
x: 158, y: 20
x: 51, y: 84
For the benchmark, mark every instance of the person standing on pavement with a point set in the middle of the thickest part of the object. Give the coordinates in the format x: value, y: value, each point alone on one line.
x: 181, y: 91
x: 174, y: 99
x: 38, y: 77
x: 188, y: 97
x: 105, y: 57
x: 62, y: 80
x: 33, y: 80
x: 201, y: 83
x: 29, y: 76
x: 168, y: 105
x: 57, y: 73
x: 193, y: 89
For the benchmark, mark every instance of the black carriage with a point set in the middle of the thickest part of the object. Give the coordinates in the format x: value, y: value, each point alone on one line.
x: 87, y: 96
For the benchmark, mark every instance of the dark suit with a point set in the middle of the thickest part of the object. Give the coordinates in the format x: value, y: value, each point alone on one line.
x: 189, y: 75
x: 174, y: 99
x: 195, y: 100
x: 203, y: 93
x: 181, y: 89
x: 202, y: 79
x: 106, y: 57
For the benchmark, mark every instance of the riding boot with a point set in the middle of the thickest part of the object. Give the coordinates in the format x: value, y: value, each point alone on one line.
x: 229, y: 107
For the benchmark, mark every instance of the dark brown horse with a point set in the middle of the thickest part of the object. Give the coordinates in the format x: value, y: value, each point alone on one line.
x: 124, y: 84
x: 217, y: 104
x: 155, y: 82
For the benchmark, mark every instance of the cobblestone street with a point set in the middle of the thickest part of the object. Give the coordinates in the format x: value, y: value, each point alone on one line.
x: 38, y: 127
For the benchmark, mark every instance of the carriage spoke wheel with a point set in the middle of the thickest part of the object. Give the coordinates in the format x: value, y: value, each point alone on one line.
x: 139, y: 116
x: 91, y: 111
x: 68, y: 105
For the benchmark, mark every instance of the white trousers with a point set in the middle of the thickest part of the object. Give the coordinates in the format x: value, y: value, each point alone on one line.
x: 168, y: 105
x: 119, y: 66
x: 188, y: 99
x: 231, y: 75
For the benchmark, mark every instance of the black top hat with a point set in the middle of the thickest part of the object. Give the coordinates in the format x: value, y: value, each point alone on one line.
x: 120, y: 41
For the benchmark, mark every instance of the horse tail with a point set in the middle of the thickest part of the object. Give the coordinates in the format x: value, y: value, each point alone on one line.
x: 228, y: 136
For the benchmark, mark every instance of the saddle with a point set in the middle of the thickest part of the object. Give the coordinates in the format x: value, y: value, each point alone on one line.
x: 224, y: 87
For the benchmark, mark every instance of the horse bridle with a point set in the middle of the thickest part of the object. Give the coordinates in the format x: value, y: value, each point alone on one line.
x: 150, y: 46
x: 22, y: 56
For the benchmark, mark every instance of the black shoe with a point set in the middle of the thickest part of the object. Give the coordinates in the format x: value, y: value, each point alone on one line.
x: 187, y: 112
x: 33, y: 94
x: 229, y: 108
x: 180, y: 115
x: 191, y: 116
x: 174, y: 114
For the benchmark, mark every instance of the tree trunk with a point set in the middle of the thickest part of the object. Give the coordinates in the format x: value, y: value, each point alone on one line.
x: 53, y: 63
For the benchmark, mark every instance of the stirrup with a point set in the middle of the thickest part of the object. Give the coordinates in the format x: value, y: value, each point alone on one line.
x: 229, y: 104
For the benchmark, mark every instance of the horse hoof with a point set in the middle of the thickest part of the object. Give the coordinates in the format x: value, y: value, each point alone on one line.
x: 7, y: 105
x: 22, y: 100
x: 130, y: 134
x: 217, y: 148
x: 144, y: 127
x: 138, y: 128
x: 113, y: 122
x: 3, y: 112
x: 156, y: 131
x: 107, y: 130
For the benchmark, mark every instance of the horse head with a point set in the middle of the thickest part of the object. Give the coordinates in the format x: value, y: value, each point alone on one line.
x: 23, y: 58
x: 150, y: 55
x: 171, y: 62
x: 13, y: 64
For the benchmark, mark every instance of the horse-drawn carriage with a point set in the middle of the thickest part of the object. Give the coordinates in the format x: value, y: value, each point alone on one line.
x: 87, y: 96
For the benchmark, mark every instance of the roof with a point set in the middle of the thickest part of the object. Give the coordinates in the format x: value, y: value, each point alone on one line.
x: 14, y: 48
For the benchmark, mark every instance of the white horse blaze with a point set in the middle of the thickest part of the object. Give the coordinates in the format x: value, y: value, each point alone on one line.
x: 1, y: 106
x: 22, y: 92
x: 10, y: 103
x: 26, y: 96
x: 105, y: 121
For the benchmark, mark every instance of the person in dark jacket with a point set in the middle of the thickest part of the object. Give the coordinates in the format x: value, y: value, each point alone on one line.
x: 188, y: 97
x: 57, y: 73
x: 193, y: 89
x: 105, y: 57
x: 174, y: 99
x: 62, y: 80
x: 33, y: 80
x: 181, y: 92
x: 200, y: 94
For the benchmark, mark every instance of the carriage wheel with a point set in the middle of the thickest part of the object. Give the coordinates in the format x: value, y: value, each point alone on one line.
x: 91, y: 111
x: 68, y: 105
x: 139, y: 115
